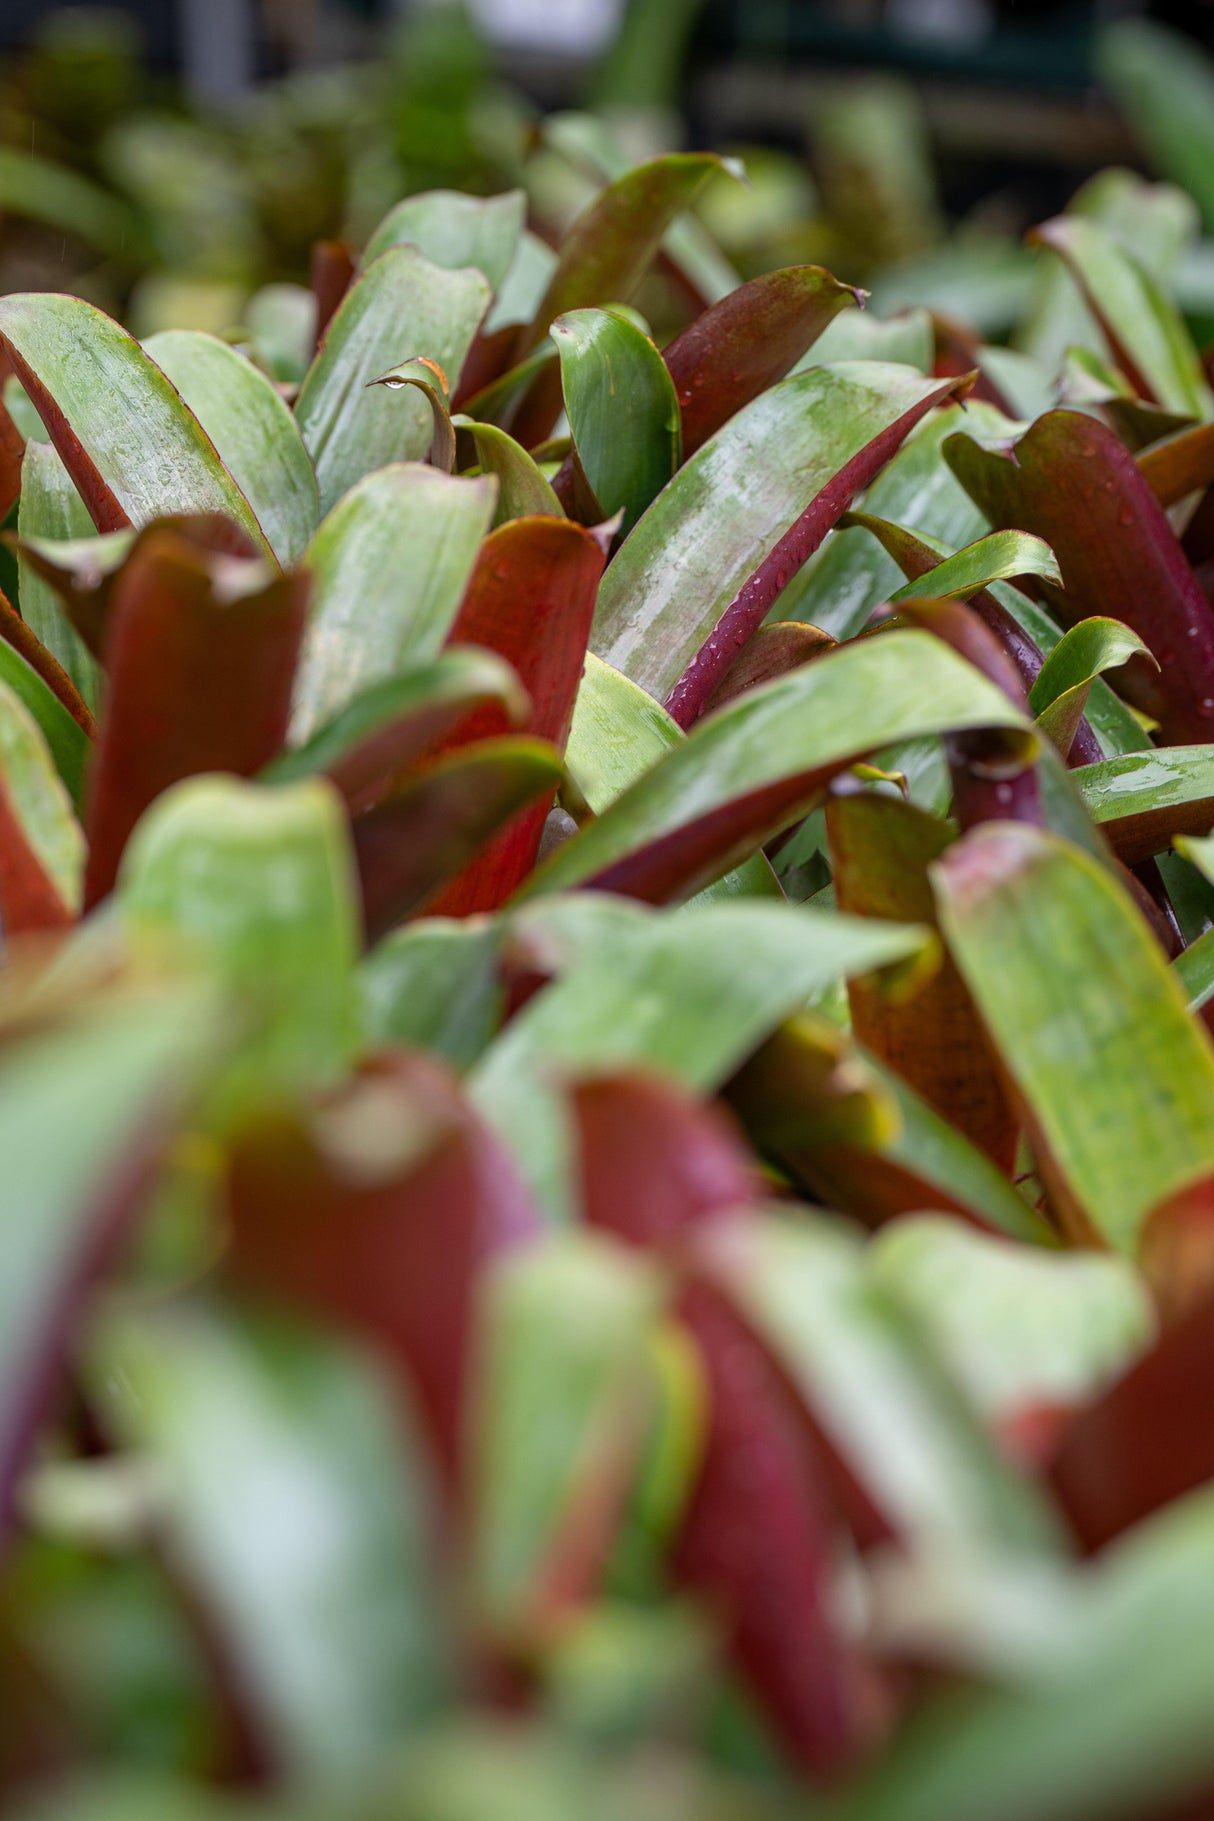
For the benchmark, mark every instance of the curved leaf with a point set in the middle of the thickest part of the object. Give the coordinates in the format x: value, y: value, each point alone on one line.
x: 757, y: 765
x: 260, y: 882
x: 1142, y: 800
x: 134, y: 451
x: 51, y: 508
x: 622, y: 409
x: 453, y: 230
x: 752, y: 338
x: 66, y: 740
x: 1060, y: 693
x: 439, y: 817
x: 401, y: 307
x: 255, y: 434
x: 666, y: 993
x: 995, y: 558
x: 720, y: 534
x: 41, y: 844
x: 531, y: 599
x: 390, y: 564
x: 201, y: 653
x: 523, y: 490
x: 1145, y: 330
x: 394, y: 723
x: 1115, y: 1080
x: 1071, y: 480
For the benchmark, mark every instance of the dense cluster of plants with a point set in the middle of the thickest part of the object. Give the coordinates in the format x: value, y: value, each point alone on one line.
x: 606, y: 1107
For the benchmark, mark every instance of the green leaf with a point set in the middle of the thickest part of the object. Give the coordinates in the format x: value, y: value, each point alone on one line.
x: 1114, y: 1079
x: 664, y: 992
x: 523, y: 490
x: 254, y: 433
x: 434, y: 985
x: 82, y: 1104
x: 390, y: 564
x: 873, y: 1387
x: 133, y: 449
x: 401, y: 307
x: 1059, y: 696
x: 1166, y: 91
x: 851, y: 574
x: 1112, y: 1718
x: 260, y: 882
x: 259, y: 1432
x: 618, y: 733
x: 36, y: 792
x: 281, y: 320
x: 431, y: 381
x: 994, y: 558
x: 727, y: 508
x: 48, y: 192
x: 1142, y: 800
x: 562, y: 1408
x: 66, y: 740
x: 1146, y: 331
x: 393, y: 723
x: 862, y: 335
x: 1018, y: 1327
x: 454, y: 230
x: 622, y: 409
x: 526, y: 280
x: 51, y: 508
x: 796, y: 732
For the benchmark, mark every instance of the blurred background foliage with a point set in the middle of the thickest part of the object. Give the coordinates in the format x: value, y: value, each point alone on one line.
x: 167, y: 161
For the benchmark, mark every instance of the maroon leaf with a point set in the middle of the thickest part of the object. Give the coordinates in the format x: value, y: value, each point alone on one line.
x: 771, y: 652
x: 746, y: 613
x: 761, y: 1541
x: 747, y: 342
x: 439, y: 817
x: 654, y: 1163
x: 1180, y: 464
x: 531, y: 599
x: 881, y: 850
x: 1147, y: 1441
x: 201, y: 659
x: 378, y: 1210
x: 1072, y: 482
x: 332, y: 272
x: 15, y: 632
x: 29, y: 898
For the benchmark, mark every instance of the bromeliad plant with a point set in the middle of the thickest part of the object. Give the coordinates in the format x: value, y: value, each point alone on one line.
x: 607, y: 1125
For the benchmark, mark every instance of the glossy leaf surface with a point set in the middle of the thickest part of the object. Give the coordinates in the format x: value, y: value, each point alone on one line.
x: 132, y: 448
x: 390, y: 565
x: 401, y: 297
x: 254, y: 433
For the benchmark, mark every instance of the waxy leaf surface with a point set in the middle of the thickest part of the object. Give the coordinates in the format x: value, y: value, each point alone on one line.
x: 401, y: 307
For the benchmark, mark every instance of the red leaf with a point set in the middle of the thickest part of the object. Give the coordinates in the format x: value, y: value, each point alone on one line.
x: 772, y: 652
x: 439, y: 817
x: 379, y: 1211
x: 1075, y: 484
x: 531, y: 599
x: 29, y: 899
x: 15, y: 632
x: 654, y: 1163
x: 198, y: 681
x: 1147, y: 1441
x: 746, y: 613
x: 761, y: 1542
x: 332, y: 272
x: 747, y: 342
